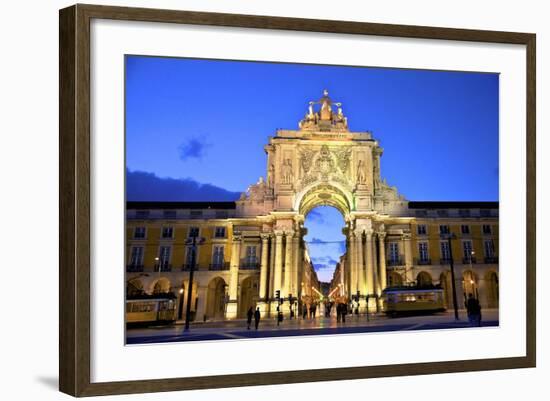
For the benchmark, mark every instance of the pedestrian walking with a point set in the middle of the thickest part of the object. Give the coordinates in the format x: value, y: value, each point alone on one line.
x: 473, y: 309
x: 257, y: 317
x: 338, y: 312
x: 344, y: 312
x: 249, y: 316
x: 304, y: 311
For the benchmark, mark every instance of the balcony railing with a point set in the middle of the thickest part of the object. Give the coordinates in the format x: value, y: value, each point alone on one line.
x: 422, y: 261
x: 249, y: 264
x: 187, y: 267
x: 491, y: 259
x: 395, y: 262
x: 445, y: 261
x: 134, y: 268
x: 164, y: 267
x: 468, y: 260
x: 219, y: 266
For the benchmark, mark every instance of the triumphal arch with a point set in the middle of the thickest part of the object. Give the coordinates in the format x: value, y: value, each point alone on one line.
x: 254, y: 253
x: 324, y: 163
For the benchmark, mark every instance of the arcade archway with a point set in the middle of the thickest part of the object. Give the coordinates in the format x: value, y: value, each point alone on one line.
x: 215, y: 299
x: 326, y: 245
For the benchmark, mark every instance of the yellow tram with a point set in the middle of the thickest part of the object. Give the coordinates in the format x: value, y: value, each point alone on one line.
x: 409, y: 300
x: 151, y: 309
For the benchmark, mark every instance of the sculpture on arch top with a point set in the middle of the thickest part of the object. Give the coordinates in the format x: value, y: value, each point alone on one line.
x: 324, y: 119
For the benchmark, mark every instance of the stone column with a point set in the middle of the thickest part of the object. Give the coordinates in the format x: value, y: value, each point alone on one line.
x: 408, y: 257
x: 360, y: 268
x: 295, y: 285
x: 231, y: 311
x: 382, y: 268
x: 278, y: 261
x: 201, y: 303
x: 288, y: 264
x: 352, y: 265
x: 370, y: 284
x: 263, y: 268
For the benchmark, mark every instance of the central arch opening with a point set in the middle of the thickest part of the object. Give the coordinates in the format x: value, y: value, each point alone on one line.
x: 326, y: 244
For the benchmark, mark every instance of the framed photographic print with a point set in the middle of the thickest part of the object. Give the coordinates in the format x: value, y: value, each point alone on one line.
x: 240, y: 186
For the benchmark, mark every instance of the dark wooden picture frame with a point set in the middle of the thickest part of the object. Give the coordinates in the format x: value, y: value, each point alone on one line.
x: 74, y: 205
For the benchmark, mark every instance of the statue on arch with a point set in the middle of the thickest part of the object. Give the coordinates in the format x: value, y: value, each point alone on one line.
x: 361, y: 172
x: 287, y: 173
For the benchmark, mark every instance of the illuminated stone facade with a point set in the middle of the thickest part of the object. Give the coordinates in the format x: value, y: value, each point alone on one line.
x: 254, y: 248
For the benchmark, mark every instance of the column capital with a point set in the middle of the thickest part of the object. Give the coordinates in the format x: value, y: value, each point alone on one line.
x: 236, y: 237
x: 359, y: 232
x: 265, y: 236
x: 368, y: 233
x: 289, y: 233
x: 406, y: 236
x: 278, y: 233
x: 381, y: 235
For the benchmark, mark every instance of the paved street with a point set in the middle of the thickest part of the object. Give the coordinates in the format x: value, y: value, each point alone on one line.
x: 236, y: 329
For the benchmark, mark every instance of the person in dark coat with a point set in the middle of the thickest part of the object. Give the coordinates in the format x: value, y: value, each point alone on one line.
x: 257, y: 317
x: 338, y: 312
x: 474, y: 310
x: 249, y: 315
x: 344, y: 312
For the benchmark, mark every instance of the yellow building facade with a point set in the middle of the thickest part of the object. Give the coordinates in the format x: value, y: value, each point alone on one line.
x: 252, y: 250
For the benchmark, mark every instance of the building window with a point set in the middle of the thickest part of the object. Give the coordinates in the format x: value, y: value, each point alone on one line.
x: 219, y: 232
x: 423, y: 251
x: 136, y: 258
x: 221, y: 214
x: 467, y: 250
x: 167, y: 232
x: 196, y: 214
x: 218, y: 256
x: 169, y: 214
x: 190, y: 257
x: 464, y: 213
x: 193, y: 232
x: 485, y: 213
x: 421, y: 229
x: 164, y: 256
x: 465, y: 229
x: 444, y: 229
x: 139, y: 232
x: 250, y: 255
x: 421, y: 213
x: 142, y: 214
x: 489, y: 248
x: 486, y: 229
x: 394, y: 252
x: 443, y: 213
x: 445, y: 251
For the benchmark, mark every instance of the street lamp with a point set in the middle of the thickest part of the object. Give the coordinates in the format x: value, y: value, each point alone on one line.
x: 193, y: 241
x: 450, y: 237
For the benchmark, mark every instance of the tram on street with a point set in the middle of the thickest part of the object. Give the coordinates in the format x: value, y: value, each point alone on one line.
x: 150, y: 310
x: 413, y: 300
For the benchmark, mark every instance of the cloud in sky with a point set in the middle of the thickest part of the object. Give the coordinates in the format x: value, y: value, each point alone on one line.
x: 193, y: 148
x: 316, y: 215
x: 144, y: 186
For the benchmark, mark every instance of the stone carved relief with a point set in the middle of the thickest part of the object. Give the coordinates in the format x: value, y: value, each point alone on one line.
x: 306, y: 159
x: 286, y: 172
x: 325, y: 164
x: 361, y: 172
x: 343, y: 157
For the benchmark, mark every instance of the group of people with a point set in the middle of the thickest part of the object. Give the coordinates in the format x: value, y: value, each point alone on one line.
x: 253, y: 314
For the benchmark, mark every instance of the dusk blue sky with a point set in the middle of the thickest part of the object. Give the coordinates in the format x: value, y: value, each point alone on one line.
x: 195, y: 129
